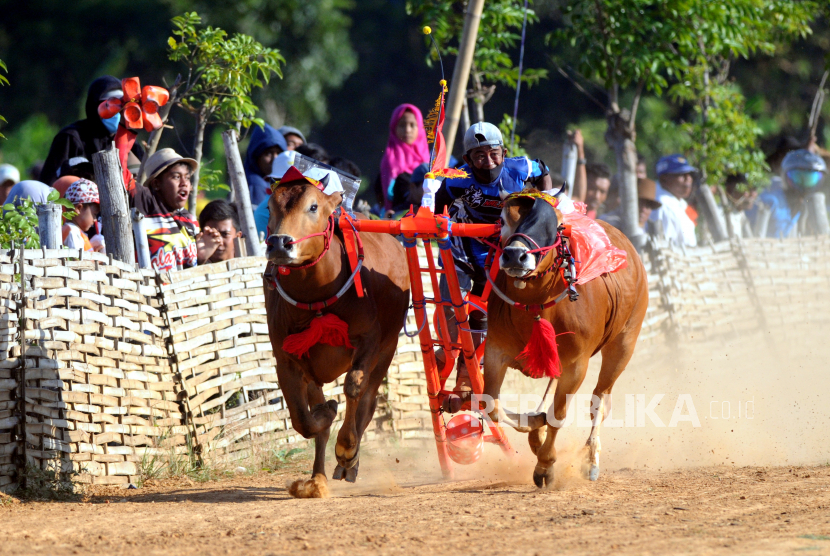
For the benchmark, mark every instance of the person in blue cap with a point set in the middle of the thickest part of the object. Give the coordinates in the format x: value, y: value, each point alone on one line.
x: 477, y: 199
x: 266, y: 143
x: 676, y: 177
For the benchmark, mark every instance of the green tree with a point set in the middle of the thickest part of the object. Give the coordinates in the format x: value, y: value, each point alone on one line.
x: 220, y: 73
x: 723, y: 137
x: 312, y: 35
x: 646, y: 45
x: 19, y: 223
x: 500, y: 31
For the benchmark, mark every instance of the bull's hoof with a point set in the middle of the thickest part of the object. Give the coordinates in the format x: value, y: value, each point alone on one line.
x: 593, y: 474
x: 332, y: 406
x: 350, y: 474
x: 544, y: 478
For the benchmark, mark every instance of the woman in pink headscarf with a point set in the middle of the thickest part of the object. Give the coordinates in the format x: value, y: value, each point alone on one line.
x: 406, y: 150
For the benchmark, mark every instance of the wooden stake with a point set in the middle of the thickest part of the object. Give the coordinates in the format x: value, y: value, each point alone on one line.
x: 461, y: 72
x: 239, y: 183
x: 115, y: 212
x: 49, y: 225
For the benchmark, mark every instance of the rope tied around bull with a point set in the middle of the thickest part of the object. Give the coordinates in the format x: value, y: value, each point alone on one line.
x: 329, y: 328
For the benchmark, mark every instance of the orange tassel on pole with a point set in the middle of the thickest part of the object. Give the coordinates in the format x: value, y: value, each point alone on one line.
x: 541, y: 355
x: 327, y: 329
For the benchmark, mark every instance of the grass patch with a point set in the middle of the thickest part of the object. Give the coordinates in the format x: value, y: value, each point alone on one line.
x: 815, y: 537
x: 48, y: 484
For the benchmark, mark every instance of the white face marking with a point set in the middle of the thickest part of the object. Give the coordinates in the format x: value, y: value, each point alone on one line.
x: 506, y: 230
x: 528, y: 266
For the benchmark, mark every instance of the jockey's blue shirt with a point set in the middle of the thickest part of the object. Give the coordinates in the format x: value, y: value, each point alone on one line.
x: 469, y: 201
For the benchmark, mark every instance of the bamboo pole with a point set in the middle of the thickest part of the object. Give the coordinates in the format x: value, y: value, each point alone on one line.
x: 461, y: 71
x: 140, y: 235
x: 115, y: 213
x: 239, y: 183
x: 49, y: 225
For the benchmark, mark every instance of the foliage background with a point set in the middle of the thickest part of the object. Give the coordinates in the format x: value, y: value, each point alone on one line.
x: 348, y: 64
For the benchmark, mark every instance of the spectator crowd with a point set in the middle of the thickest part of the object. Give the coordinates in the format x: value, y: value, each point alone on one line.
x: 672, y: 206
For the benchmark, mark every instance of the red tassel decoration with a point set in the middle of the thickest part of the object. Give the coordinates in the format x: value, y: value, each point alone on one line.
x: 327, y: 329
x: 541, y: 356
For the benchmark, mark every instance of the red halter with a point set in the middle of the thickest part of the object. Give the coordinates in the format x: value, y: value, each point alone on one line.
x: 327, y: 233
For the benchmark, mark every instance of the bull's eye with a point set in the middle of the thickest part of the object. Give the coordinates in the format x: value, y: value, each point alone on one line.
x: 313, y: 208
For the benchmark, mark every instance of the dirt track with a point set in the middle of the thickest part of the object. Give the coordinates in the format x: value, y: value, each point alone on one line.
x: 711, y: 510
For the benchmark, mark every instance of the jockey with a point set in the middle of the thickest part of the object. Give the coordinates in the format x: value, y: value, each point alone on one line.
x: 478, y: 199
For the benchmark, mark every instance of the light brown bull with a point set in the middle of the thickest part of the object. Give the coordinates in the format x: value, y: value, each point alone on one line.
x: 607, y: 317
x: 299, y: 210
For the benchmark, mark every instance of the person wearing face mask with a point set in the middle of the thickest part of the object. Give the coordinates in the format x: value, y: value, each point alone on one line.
x: 266, y: 143
x: 172, y: 232
x: 477, y: 199
x: 405, y: 150
x: 88, y: 136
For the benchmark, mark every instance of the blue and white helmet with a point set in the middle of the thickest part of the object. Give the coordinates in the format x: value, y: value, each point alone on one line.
x: 802, y: 159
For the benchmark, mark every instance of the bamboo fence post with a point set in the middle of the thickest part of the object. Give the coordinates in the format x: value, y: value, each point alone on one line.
x: 461, y: 71
x: 240, y: 187
x: 141, y: 243
x: 49, y: 225
x: 115, y: 213
x: 23, y: 456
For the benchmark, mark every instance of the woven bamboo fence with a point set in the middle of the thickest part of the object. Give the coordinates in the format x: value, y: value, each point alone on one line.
x: 104, y: 368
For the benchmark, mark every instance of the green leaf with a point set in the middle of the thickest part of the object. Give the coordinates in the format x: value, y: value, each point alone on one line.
x: 53, y: 195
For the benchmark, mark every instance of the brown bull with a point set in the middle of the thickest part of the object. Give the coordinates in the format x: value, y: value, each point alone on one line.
x: 298, y: 210
x: 606, y: 318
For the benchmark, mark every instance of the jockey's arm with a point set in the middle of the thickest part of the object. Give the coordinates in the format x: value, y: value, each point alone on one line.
x: 539, y: 176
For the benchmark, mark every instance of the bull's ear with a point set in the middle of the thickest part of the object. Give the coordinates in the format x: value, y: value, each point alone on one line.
x: 516, y: 209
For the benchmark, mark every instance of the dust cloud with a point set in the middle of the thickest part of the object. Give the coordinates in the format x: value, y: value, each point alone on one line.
x: 757, y: 400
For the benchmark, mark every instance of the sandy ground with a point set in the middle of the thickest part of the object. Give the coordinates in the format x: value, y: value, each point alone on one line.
x: 709, y: 510
x: 750, y: 476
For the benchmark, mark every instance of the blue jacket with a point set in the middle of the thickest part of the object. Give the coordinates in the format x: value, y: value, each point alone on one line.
x: 781, y: 222
x: 261, y: 139
x: 472, y: 202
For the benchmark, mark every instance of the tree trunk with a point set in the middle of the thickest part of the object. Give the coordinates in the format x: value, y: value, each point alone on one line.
x: 155, y: 136
x: 817, y: 214
x: 715, y: 219
x: 115, y: 213
x: 49, y: 225
x: 243, y: 198
x: 620, y: 138
x: 198, y: 141
x: 461, y: 72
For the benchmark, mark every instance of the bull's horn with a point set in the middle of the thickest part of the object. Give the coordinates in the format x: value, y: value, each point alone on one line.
x: 561, y: 190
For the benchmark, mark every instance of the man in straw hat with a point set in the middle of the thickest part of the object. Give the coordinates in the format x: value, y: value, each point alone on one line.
x: 172, y: 232
x: 646, y: 202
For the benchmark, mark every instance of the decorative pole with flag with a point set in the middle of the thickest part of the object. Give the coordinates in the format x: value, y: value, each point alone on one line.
x: 139, y: 107
x: 434, y: 125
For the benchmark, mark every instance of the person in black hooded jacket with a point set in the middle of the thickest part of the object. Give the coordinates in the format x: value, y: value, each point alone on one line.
x: 87, y: 136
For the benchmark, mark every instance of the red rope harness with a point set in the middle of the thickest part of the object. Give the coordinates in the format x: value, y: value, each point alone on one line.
x: 320, y: 305
x: 327, y: 233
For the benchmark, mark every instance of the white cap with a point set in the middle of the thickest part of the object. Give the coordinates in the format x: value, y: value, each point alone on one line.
x: 482, y: 134
x: 282, y: 162
x: 329, y: 179
x: 9, y: 172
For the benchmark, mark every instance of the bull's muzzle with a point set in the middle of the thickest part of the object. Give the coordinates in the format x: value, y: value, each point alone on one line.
x: 280, y: 248
x: 516, y: 261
